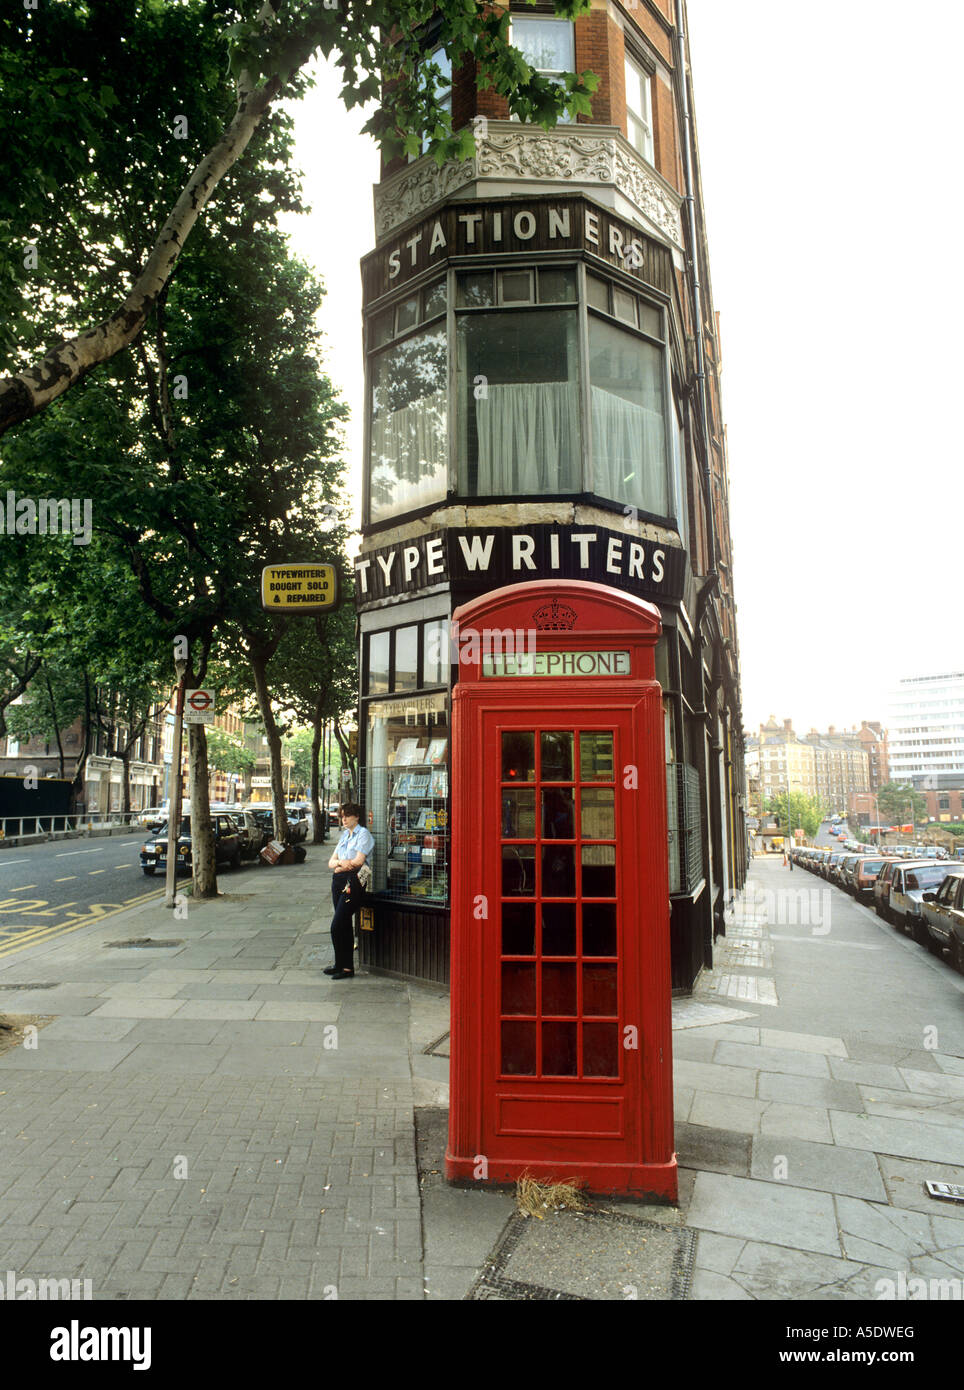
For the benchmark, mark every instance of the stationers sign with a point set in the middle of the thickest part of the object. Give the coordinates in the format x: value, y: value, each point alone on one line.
x: 511, y: 226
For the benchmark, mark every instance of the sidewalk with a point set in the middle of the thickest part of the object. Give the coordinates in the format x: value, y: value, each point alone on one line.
x: 211, y: 1117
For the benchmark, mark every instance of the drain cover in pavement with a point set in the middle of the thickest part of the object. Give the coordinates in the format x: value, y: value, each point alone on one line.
x: 144, y: 941
x: 594, y: 1255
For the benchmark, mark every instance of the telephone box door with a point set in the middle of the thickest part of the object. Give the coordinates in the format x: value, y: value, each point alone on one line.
x: 573, y: 1020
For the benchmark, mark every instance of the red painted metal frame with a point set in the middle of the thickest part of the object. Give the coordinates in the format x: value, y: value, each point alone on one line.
x: 611, y: 1134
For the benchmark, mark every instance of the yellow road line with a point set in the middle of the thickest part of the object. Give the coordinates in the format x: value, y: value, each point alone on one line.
x: 96, y: 871
x: 39, y: 934
x: 65, y: 880
x: 22, y: 889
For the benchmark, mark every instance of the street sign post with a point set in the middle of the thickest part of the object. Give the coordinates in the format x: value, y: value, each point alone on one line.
x: 294, y: 590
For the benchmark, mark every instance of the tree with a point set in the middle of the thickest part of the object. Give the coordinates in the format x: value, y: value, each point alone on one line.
x: 227, y: 753
x: 899, y: 804
x: 806, y: 812
x: 317, y: 662
x: 378, y: 47
x: 211, y: 448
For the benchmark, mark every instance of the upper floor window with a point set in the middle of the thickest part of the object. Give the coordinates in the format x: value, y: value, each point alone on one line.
x: 560, y: 385
x: 409, y: 417
x: 518, y: 382
x: 639, y: 108
x: 547, y: 45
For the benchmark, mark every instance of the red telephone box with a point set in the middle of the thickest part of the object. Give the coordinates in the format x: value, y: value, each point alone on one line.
x: 561, y: 994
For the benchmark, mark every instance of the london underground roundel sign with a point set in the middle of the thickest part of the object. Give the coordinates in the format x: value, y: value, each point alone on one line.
x: 199, y: 706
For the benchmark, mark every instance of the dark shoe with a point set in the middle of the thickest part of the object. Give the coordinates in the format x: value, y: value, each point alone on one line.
x: 343, y: 975
x: 328, y: 970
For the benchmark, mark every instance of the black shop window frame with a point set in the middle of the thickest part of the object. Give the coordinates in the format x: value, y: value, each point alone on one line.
x: 421, y: 629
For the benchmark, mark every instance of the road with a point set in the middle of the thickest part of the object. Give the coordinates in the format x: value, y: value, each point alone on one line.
x: 50, y: 889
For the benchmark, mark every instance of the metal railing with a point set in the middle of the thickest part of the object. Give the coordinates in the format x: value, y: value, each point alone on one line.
x: 14, y: 828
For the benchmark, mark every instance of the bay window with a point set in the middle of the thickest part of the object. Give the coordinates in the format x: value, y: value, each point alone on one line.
x: 518, y: 376
x: 559, y: 384
x: 409, y: 411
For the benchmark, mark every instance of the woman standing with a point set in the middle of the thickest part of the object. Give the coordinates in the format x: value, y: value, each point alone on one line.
x: 351, y: 852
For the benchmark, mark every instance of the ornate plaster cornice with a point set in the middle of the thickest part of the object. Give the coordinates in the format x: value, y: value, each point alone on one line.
x: 587, y: 158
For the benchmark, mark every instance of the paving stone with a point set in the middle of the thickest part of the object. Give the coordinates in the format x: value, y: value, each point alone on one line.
x: 177, y: 1059
x: 774, y: 1059
x: 803, y: 1042
x: 142, y: 989
x: 753, y: 1210
x: 866, y: 1073
x: 822, y: 1167
x: 291, y: 1010
x: 130, y: 1007
x: 717, y: 1254
x: 704, y: 1076
x: 931, y: 1083
x: 88, y: 1029
x: 796, y: 1122
x: 66, y: 1056
x: 713, y: 1150
x: 810, y: 1090
x: 739, y: 1113
x: 902, y: 1138
x: 905, y: 1179
x: 217, y: 1008
x: 772, y: 1272
x: 717, y: 1287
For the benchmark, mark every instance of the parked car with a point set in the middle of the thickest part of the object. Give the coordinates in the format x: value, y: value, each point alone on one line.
x: 227, y: 845
x: 939, y: 908
x: 299, y: 820
x: 840, y: 873
x: 882, y: 887
x: 910, y: 883
x: 863, y: 876
x: 255, y: 833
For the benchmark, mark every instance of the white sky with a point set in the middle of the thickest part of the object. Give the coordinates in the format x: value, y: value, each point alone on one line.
x: 828, y: 143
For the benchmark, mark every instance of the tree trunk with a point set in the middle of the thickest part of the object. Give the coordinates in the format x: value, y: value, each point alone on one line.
x: 125, y: 757
x: 259, y: 671
x: 202, y: 828
x: 320, y: 819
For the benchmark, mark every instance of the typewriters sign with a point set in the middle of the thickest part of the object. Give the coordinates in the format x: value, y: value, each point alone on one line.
x: 477, y: 559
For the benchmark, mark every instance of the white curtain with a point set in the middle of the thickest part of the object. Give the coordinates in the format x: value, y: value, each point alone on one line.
x: 528, y: 438
x: 628, y: 443
x: 409, y: 455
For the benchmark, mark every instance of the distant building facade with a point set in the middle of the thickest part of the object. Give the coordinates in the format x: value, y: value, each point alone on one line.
x: 926, y: 726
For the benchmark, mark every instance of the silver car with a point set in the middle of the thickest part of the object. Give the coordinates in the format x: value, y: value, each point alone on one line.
x: 907, y: 888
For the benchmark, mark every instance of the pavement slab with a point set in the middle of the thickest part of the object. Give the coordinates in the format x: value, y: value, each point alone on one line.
x: 822, y: 1167
x: 779, y: 1213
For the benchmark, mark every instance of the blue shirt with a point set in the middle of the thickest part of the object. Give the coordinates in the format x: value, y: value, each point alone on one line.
x: 357, y: 841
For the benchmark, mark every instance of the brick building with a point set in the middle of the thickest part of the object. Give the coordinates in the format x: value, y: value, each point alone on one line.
x: 541, y: 405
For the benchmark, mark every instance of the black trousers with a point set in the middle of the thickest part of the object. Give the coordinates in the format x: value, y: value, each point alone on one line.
x: 342, y: 926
